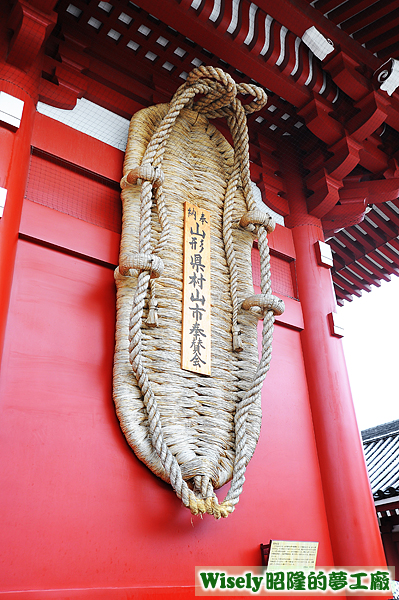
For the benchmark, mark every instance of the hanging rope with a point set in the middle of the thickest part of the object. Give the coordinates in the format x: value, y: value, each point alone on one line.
x: 218, y: 99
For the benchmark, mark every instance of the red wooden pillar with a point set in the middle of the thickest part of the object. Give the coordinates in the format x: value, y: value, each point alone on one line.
x: 14, y: 166
x: 352, y: 522
x: 23, y: 30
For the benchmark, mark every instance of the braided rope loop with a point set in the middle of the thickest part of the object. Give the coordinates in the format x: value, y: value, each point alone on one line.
x: 218, y: 99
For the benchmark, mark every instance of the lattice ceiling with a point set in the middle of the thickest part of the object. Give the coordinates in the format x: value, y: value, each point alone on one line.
x: 138, y: 60
x: 126, y: 37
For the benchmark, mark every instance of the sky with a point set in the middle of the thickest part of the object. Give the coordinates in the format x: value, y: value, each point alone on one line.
x: 371, y: 346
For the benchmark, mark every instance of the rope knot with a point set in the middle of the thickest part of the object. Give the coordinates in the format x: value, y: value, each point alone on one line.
x: 219, y: 88
x: 140, y: 262
x: 237, y: 342
x: 258, y: 217
x: 265, y: 302
x: 145, y: 172
x: 220, y: 91
x: 152, y: 319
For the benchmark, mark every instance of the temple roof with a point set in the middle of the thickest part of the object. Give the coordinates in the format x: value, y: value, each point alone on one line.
x: 370, y: 23
x: 326, y: 93
x: 366, y: 253
x: 381, y: 449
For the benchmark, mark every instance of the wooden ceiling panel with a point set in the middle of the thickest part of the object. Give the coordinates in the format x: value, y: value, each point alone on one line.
x: 138, y: 56
x: 325, y: 6
x: 349, y: 10
x: 363, y: 18
x: 377, y: 28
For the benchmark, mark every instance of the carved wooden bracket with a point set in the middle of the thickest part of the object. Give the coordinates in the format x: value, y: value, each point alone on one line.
x: 372, y: 192
x: 268, y: 179
x: 344, y: 72
x: 355, y: 144
x: 373, y: 110
x: 65, y: 82
x: 63, y: 85
x: 73, y: 56
x: 371, y: 155
x: 326, y: 193
x: 273, y: 200
x: 354, y: 198
x: 31, y: 28
x: 393, y: 168
x: 343, y: 216
x: 317, y: 114
x: 327, y: 181
x: 346, y: 157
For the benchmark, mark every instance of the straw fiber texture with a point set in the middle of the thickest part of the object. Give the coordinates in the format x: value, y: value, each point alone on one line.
x: 193, y: 431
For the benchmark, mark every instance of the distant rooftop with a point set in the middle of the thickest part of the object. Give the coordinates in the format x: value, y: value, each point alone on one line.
x: 381, y: 430
x: 381, y: 449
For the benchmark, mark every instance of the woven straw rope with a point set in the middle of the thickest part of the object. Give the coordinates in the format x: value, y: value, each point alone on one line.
x: 219, y: 99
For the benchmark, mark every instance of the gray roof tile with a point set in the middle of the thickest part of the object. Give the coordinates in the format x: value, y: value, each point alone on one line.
x: 381, y: 450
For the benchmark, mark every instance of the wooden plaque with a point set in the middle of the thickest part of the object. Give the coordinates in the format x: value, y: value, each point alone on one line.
x: 196, y: 328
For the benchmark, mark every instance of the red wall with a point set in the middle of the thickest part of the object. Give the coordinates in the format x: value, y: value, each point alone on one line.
x: 82, y: 517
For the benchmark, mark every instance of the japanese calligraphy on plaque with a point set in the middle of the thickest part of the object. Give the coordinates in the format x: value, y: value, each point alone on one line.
x: 196, y: 328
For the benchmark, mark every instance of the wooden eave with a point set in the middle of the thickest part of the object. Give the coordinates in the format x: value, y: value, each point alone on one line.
x: 127, y: 55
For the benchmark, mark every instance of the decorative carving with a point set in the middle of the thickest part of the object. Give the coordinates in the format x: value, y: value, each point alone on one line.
x: 31, y: 27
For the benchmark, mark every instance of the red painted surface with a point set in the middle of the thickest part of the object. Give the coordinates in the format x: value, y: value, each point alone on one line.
x: 61, y: 187
x: 339, y: 446
x: 31, y: 26
x: 57, y: 230
x: 85, y: 519
x: 354, y: 541
x: 81, y: 510
x: 81, y: 516
x: 70, y: 145
x: 14, y: 164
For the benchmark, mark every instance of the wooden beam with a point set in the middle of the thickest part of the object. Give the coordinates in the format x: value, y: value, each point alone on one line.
x: 357, y: 248
x: 346, y: 285
x: 380, y: 27
x: 346, y: 254
x: 340, y: 293
x: 220, y: 43
x: 346, y: 10
x: 325, y: 6
x: 384, y: 262
x: 361, y: 271
x: 391, y: 255
x: 362, y: 18
x: 380, y: 271
x: 355, y: 279
x: 386, y: 43
x: 373, y: 238
x: 387, y: 227
x: 298, y: 16
x: 372, y: 279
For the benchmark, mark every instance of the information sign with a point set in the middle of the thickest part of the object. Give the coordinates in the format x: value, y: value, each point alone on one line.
x: 292, y: 554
